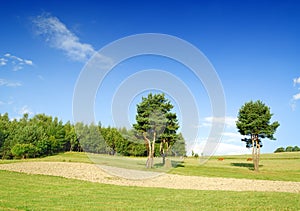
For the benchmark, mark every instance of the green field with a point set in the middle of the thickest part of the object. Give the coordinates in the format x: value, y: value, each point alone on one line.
x: 278, y: 166
x: 20, y: 191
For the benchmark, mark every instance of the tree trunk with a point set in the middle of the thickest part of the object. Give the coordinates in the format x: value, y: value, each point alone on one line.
x: 253, y: 155
x: 258, y: 155
x: 153, y: 149
x: 149, y: 151
x: 255, y: 152
x: 162, y: 151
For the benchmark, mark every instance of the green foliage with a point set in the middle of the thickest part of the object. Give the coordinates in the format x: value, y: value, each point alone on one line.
x: 296, y: 149
x: 24, y: 151
x: 288, y: 149
x: 280, y: 149
x: 44, y: 135
x: 39, y: 136
x: 154, y: 116
x: 179, y: 148
x: 254, y: 118
x: 90, y: 138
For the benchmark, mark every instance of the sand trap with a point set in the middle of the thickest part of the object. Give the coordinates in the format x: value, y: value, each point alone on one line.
x: 94, y: 173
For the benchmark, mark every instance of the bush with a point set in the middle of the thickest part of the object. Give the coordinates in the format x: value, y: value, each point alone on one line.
x: 280, y: 149
x: 24, y: 151
x: 289, y: 149
x: 296, y: 149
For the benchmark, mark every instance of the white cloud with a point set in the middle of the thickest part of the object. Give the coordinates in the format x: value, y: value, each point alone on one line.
x: 4, y: 82
x: 3, y: 61
x: 222, y: 148
x: 28, y: 62
x: 296, y: 96
x: 16, y: 62
x: 232, y: 135
x: 60, y: 37
x: 228, y: 121
x: 6, y: 102
x: 296, y: 81
x: 25, y: 110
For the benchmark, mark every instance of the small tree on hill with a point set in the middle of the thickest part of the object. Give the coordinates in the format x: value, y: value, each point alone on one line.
x: 279, y: 149
x: 254, y: 121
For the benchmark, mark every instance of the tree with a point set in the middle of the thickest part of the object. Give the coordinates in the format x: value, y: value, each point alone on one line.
x: 289, y: 149
x: 178, y: 149
x: 90, y: 138
x: 279, y: 149
x: 254, y: 121
x: 296, y: 149
x: 156, y: 122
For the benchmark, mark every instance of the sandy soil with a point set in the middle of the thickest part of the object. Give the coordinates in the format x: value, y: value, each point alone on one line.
x: 102, y: 174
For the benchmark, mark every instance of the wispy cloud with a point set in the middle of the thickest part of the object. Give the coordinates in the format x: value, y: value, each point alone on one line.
x: 6, y: 102
x: 25, y: 110
x: 222, y: 148
x: 58, y: 36
x: 229, y: 121
x: 296, y: 82
x: 4, y: 82
x: 296, y: 96
x: 3, y: 61
x: 16, y: 62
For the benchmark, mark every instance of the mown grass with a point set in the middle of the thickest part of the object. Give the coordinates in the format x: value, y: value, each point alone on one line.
x: 278, y: 166
x: 19, y: 191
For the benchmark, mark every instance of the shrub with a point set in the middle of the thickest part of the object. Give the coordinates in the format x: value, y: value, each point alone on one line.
x: 296, y: 149
x: 289, y: 149
x: 24, y: 150
x: 280, y: 149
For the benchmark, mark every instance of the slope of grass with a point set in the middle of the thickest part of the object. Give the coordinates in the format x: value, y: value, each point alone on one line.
x: 279, y: 166
x: 20, y: 191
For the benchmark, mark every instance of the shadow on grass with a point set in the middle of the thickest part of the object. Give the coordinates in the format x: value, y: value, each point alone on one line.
x: 250, y: 166
x: 174, y: 164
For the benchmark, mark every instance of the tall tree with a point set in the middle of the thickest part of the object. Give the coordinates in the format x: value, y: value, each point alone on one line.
x: 156, y: 122
x: 254, y: 121
x: 179, y: 148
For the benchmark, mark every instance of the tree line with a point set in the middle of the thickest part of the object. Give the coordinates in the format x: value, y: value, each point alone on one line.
x: 44, y: 135
x: 287, y: 149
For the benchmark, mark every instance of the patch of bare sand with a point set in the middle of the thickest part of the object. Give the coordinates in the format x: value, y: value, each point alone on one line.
x: 94, y: 173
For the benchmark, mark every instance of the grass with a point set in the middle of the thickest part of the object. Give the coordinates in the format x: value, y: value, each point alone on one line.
x: 19, y: 191
x: 278, y: 166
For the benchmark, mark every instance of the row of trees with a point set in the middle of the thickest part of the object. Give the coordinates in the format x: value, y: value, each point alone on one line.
x: 288, y: 149
x: 44, y: 135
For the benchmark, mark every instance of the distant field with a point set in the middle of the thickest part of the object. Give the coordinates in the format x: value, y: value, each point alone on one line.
x: 276, y: 166
x: 19, y: 191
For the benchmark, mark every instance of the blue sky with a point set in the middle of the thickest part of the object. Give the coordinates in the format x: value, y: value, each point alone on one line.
x: 254, y: 47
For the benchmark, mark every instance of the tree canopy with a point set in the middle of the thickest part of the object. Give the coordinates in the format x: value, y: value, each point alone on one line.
x: 254, y: 118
